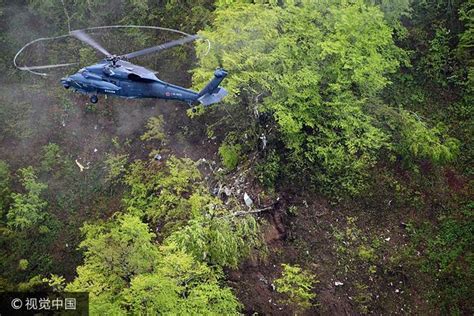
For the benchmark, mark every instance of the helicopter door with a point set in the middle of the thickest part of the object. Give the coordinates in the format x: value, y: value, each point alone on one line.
x: 131, y: 89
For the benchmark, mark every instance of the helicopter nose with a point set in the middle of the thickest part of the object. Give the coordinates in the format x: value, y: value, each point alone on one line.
x: 66, y: 83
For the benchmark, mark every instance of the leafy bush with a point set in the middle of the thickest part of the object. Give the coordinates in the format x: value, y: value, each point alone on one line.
x: 168, y: 195
x: 448, y: 259
x: 420, y: 142
x: 127, y: 273
x: 4, y: 185
x: 27, y: 209
x: 155, y: 129
x: 175, y: 199
x: 223, y: 241
x: 316, y: 66
x: 230, y: 155
x: 297, y: 285
x: 269, y: 170
x: 435, y: 64
x: 116, y: 167
x: 51, y: 154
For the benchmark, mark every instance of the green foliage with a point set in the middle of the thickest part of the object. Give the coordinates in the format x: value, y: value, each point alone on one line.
x: 51, y: 155
x: 297, y: 284
x: 363, y: 297
x: 180, y: 285
x: 174, y: 198
x: 223, y: 241
x: 166, y: 194
x: 4, y: 186
x: 27, y: 209
x: 419, y: 141
x: 315, y: 90
x: 87, y: 56
x: 23, y: 264
x: 230, y: 155
x: 114, y: 252
x: 268, y: 170
x: 56, y: 282
x: 436, y: 63
x: 115, y: 166
x: 155, y: 129
x: 367, y: 253
x: 393, y: 9
x: 466, y: 38
x: 448, y: 259
x: 126, y: 272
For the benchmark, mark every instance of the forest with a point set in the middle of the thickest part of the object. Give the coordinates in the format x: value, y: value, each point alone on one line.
x: 335, y: 178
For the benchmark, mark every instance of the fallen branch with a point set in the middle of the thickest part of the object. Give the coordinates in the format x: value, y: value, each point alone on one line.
x: 239, y: 213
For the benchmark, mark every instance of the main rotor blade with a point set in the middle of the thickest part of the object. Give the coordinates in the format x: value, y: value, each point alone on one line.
x: 80, y: 35
x: 45, y: 66
x: 161, y: 47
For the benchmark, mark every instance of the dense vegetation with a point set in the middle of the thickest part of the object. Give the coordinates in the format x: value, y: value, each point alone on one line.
x: 348, y: 128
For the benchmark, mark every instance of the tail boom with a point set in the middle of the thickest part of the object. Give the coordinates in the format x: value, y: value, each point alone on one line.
x: 212, y: 93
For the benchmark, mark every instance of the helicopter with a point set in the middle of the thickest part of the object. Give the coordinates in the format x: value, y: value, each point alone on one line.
x: 116, y: 76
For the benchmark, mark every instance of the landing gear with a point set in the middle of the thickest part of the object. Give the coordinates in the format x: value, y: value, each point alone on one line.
x: 94, y: 99
x: 193, y: 107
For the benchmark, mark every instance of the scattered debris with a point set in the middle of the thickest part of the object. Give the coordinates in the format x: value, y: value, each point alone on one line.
x: 337, y: 283
x: 81, y: 167
x: 263, y: 138
x: 157, y: 157
x: 95, y: 150
x: 263, y: 279
x: 387, y: 239
x: 248, y: 201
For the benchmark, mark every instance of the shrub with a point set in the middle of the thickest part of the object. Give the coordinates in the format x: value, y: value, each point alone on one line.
x: 230, y: 155
x: 297, y: 285
x: 269, y: 169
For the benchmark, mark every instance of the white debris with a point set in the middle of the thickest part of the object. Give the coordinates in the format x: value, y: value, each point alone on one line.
x: 81, y: 167
x: 387, y: 239
x: 248, y: 201
x: 337, y: 283
x: 228, y: 191
x: 263, y: 138
x: 397, y: 290
x: 95, y: 150
x: 157, y: 157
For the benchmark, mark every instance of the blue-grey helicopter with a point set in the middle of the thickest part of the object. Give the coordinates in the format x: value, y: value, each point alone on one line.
x: 115, y: 75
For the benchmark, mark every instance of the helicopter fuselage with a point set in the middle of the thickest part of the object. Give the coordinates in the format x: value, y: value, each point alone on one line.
x: 124, y: 79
